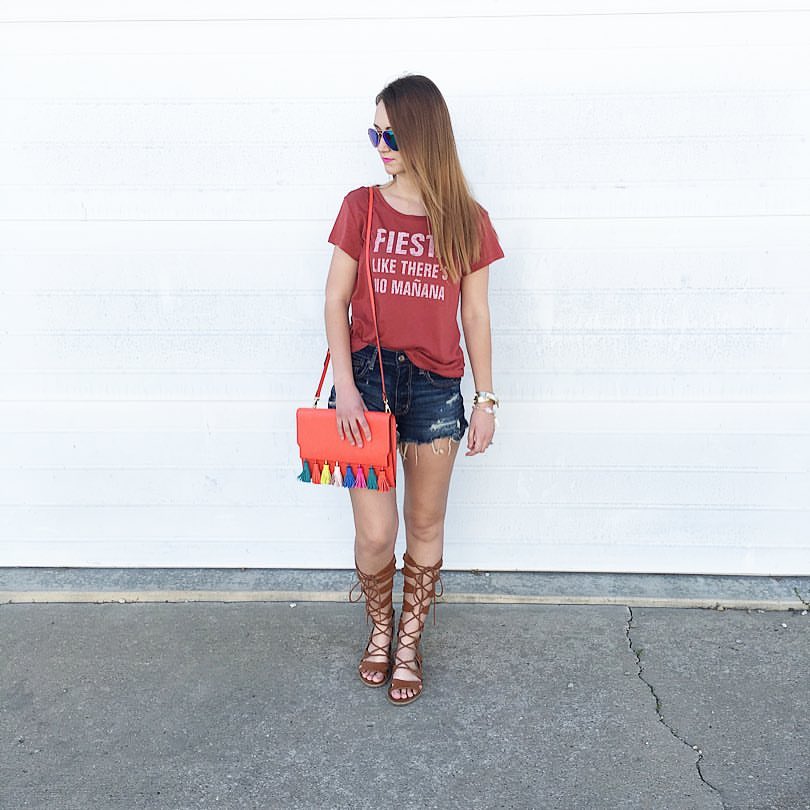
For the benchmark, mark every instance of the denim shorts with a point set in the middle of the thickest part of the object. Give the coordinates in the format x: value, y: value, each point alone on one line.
x: 426, y: 405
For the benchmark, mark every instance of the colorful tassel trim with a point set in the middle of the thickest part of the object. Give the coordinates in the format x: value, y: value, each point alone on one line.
x: 348, y: 479
x: 312, y: 472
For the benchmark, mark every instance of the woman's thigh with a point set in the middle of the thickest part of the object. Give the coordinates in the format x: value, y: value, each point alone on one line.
x: 376, y: 519
x: 427, y: 469
x: 429, y: 437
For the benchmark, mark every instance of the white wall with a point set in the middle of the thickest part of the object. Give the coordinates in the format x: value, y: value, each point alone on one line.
x: 169, y: 177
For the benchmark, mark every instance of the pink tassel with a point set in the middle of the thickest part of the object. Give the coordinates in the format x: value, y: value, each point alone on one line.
x: 360, y: 479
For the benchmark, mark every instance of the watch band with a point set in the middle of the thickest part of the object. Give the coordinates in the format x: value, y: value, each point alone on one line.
x: 485, y: 396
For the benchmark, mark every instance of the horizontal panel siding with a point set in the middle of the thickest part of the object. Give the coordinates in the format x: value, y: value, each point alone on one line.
x: 245, y: 449
x: 92, y: 265
x: 168, y: 182
x: 560, y: 352
x: 254, y: 311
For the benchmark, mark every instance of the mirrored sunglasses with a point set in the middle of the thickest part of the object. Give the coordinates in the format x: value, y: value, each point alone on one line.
x: 387, y: 135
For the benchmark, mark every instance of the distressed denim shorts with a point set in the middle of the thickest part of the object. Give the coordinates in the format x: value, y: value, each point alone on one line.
x: 426, y: 405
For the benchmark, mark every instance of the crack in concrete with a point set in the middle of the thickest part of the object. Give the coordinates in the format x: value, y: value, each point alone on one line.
x: 800, y: 597
x: 636, y: 654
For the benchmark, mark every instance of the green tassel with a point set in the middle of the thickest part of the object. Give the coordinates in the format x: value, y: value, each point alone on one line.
x: 304, y: 475
x: 371, y: 481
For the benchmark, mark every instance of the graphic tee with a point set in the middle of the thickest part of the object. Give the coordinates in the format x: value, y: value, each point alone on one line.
x: 417, y: 303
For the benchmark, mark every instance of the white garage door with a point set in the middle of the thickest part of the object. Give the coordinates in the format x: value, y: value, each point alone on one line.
x: 168, y: 182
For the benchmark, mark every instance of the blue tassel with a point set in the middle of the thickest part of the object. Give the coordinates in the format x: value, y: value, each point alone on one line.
x: 304, y: 475
x: 348, y: 478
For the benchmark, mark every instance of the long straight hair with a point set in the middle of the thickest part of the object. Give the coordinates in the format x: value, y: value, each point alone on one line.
x: 418, y: 114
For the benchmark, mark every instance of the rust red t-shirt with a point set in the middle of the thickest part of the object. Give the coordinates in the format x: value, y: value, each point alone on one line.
x: 417, y: 304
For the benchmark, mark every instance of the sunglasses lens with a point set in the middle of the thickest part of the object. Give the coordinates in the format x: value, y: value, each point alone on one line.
x: 390, y: 139
x: 373, y: 137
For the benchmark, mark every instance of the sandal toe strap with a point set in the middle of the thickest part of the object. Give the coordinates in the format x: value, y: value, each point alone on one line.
x: 375, y: 666
x: 399, y: 683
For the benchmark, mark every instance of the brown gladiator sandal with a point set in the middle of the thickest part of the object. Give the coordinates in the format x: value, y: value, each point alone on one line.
x: 378, y: 589
x: 421, y: 581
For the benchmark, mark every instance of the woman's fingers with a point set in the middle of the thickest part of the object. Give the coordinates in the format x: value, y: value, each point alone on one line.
x: 360, y: 429
x: 354, y: 428
x: 364, y: 426
x: 473, y: 443
x: 471, y: 439
x: 357, y: 437
x: 480, y: 435
x: 351, y: 420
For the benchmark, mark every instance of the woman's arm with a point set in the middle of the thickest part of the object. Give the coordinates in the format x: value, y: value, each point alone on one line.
x: 478, y: 339
x: 340, y: 283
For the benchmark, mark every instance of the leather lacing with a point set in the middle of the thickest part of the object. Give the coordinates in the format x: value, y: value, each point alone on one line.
x: 421, y: 582
x: 378, y: 590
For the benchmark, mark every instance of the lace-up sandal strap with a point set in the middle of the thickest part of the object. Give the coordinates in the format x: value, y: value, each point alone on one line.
x: 420, y: 587
x: 378, y: 589
x: 408, y: 640
x: 426, y: 579
x: 372, y: 648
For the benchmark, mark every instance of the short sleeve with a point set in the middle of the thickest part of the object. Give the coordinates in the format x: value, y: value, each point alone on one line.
x: 490, y: 246
x: 347, y: 232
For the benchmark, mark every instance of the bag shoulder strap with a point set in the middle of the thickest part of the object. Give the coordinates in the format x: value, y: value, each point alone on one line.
x: 373, y: 310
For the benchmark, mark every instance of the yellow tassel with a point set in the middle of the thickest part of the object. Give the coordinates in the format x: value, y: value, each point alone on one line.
x: 326, y: 476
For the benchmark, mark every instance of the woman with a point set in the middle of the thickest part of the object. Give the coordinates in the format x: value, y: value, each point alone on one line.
x: 425, y: 213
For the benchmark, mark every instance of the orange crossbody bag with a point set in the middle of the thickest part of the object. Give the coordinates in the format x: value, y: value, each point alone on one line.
x: 328, y: 459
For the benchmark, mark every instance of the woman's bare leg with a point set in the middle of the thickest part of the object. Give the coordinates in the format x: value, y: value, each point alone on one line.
x: 427, y: 469
x: 376, y: 522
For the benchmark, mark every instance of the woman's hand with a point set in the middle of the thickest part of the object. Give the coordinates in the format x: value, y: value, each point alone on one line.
x: 482, y: 429
x: 351, y: 420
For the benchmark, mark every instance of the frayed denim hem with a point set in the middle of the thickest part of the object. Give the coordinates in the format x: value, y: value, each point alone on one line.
x: 437, y: 449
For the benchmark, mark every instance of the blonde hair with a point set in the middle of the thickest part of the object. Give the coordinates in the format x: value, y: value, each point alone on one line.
x: 418, y: 114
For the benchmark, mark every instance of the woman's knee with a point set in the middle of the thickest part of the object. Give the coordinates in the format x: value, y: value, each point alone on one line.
x: 375, y: 542
x: 425, y: 524
x: 376, y: 533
